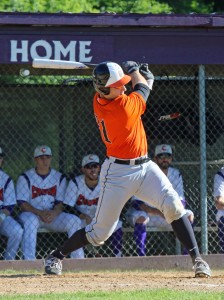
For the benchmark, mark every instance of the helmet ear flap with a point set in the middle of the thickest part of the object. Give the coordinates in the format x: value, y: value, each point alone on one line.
x: 101, y: 90
x: 101, y: 75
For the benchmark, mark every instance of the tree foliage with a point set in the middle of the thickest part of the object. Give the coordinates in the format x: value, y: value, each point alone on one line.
x: 116, y: 6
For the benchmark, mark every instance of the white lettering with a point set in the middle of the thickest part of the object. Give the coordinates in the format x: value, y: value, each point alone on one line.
x: 83, y: 51
x: 70, y: 49
x: 43, y: 47
x: 15, y: 50
x: 21, y: 51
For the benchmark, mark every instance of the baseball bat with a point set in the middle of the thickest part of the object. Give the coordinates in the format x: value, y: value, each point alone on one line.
x: 170, y: 116
x: 44, y: 63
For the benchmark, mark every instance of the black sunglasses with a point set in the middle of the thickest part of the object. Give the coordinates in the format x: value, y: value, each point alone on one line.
x: 164, y: 155
x: 91, y: 166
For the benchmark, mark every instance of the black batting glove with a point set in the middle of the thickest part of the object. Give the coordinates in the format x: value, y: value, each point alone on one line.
x: 146, y: 73
x: 129, y: 66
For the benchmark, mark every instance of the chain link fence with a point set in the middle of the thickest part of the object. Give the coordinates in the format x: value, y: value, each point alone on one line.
x: 56, y: 110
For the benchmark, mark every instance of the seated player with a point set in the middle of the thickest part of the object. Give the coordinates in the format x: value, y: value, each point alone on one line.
x: 40, y: 193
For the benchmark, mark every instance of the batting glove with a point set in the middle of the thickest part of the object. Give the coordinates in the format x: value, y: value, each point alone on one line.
x: 147, y: 74
x: 129, y: 66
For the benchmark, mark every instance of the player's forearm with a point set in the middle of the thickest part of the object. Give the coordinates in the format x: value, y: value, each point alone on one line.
x: 29, y: 208
x: 5, y: 211
x: 58, y: 208
x: 136, y: 78
x: 219, y: 202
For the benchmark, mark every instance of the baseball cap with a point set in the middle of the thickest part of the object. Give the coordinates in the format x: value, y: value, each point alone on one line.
x: 42, y: 150
x: 160, y: 149
x: 1, y: 152
x: 90, y: 158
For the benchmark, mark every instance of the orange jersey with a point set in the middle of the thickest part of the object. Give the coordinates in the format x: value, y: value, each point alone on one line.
x: 120, y: 125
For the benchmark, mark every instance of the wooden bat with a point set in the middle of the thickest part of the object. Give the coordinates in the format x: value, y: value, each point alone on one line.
x: 42, y: 63
x: 170, y: 117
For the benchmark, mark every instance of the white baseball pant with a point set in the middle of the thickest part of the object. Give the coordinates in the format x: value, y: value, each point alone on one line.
x: 119, y: 183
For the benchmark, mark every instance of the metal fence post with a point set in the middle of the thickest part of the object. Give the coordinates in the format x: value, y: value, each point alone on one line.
x: 203, y: 173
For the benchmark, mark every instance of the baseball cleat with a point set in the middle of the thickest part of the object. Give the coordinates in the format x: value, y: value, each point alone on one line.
x: 53, y: 265
x: 201, y: 268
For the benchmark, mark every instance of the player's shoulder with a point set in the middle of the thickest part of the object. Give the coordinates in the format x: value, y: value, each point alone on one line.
x: 220, y: 172
x: 80, y: 179
x: 77, y: 180
x: 4, y: 175
x: 57, y: 176
x: 28, y: 173
x: 174, y: 170
x: 174, y: 173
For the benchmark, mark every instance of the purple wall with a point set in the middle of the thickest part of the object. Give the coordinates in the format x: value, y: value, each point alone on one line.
x: 157, y: 39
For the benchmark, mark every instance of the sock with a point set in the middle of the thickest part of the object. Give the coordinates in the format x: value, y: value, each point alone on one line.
x: 185, y: 252
x: 140, y: 238
x: 221, y: 234
x: 184, y: 232
x: 116, y: 242
x: 76, y: 241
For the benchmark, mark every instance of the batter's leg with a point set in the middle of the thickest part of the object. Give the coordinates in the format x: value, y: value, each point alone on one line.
x: 113, y: 196
x: 162, y: 195
x: 69, y: 223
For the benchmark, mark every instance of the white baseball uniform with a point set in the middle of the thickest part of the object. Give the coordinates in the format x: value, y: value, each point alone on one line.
x: 133, y: 213
x: 43, y: 193
x: 218, y: 190
x: 9, y: 227
x: 84, y: 199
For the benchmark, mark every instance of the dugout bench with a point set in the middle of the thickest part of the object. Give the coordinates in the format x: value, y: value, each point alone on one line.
x: 129, y: 231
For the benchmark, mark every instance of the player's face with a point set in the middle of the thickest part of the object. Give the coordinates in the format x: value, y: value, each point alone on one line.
x: 115, y: 92
x: 163, y: 160
x: 43, y: 162
x: 91, y: 171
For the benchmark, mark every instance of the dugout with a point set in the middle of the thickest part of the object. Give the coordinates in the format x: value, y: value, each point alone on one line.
x: 53, y: 107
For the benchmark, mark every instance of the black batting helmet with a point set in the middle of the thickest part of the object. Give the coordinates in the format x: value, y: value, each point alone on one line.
x: 108, y: 74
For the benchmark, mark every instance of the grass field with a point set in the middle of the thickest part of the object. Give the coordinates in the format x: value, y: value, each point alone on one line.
x: 159, y: 294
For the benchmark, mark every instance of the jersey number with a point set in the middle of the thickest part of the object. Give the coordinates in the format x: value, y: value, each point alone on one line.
x: 103, y: 130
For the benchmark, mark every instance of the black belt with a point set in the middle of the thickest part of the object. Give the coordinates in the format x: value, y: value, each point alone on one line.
x: 138, y: 161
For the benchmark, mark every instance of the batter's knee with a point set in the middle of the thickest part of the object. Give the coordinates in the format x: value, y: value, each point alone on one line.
x: 94, y: 240
x: 172, y: 207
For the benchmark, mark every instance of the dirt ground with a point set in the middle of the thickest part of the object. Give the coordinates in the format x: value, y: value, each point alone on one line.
x: 109, y: 281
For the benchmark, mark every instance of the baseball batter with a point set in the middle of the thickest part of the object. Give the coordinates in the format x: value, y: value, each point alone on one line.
x: 140, y: 215
x: 8, y: 225
x: 83, y: 193
x: 218, y: 193
x: 40, y: 193
x: 127, y: 171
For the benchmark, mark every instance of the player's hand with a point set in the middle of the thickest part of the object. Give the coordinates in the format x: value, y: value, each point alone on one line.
x: 146, y: 73
x: 85, y: 217
x: 47, y: 216
x: 129, y: 66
